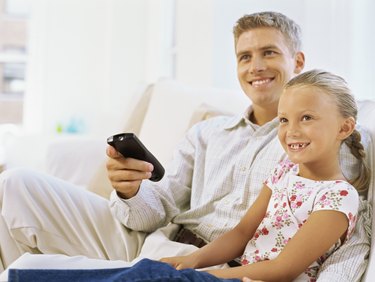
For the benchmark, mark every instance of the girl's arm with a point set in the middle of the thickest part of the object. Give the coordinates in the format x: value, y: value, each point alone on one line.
x: 232, y: 243
x: 320, y: 232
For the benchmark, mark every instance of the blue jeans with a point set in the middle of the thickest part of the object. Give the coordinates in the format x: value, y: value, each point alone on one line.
x: 143, y: 271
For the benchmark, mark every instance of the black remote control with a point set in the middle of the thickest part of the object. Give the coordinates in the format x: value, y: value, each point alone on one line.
x: 130, y: 146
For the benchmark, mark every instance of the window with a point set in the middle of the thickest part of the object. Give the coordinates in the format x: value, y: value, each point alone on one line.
x: 13, y: 59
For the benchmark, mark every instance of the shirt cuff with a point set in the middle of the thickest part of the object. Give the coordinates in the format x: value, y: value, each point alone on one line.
x: 138, y: 213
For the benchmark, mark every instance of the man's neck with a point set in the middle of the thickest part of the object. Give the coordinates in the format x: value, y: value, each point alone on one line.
x: 261, y: 116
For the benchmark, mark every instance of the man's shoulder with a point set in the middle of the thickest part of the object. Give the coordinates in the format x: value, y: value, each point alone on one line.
x: 219, y: 122
x: 366, y: 138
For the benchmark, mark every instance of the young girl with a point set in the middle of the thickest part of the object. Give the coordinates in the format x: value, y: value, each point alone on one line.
x: 306, y: 209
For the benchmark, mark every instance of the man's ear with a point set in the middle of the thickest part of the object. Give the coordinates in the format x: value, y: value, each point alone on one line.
x: 300, y: 62
x: 347, y: 128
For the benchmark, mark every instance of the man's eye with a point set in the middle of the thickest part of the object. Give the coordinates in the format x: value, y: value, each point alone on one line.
x: 269, y: 53
x: 245, y: 58
x: 283, y: 120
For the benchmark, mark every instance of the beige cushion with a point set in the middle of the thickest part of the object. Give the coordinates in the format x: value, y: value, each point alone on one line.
x: 205, y: 111
x: 99, y: 183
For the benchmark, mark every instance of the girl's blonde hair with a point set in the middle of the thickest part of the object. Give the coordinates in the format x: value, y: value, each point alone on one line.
x: 337, y: 88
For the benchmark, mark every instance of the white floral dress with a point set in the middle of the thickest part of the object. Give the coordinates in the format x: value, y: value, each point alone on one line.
x: 293, y: 199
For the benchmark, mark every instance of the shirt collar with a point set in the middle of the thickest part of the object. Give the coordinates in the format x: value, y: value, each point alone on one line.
x: 243, y: 119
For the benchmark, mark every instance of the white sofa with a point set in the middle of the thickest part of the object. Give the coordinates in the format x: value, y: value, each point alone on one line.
x: 160, y: 117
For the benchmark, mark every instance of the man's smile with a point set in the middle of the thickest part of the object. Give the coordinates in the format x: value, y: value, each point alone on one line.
x: 261, y: 82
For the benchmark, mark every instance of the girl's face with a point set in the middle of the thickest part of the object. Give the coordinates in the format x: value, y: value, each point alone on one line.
x: 311, y: 127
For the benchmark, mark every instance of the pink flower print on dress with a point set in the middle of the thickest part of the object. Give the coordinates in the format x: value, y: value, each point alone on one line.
x: 278, y: 222
x: 286, y: 241
x: 244, y: 261
x: 280, y: 170
x: 344, y: 193
x: 352, y: 222
x: 264, y: 231
x: 326, y: 203
x: 299, y: 185
x: 276, y: 175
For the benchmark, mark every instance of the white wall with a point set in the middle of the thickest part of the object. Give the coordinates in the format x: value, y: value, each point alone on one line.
x: 338, y: 35
x: 89, y: 57
x: 69, y: 61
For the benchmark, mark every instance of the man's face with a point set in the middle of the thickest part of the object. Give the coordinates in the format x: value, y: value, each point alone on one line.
x: 264, y: 64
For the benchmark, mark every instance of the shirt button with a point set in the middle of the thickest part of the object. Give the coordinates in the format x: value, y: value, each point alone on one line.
x: 243, y: 168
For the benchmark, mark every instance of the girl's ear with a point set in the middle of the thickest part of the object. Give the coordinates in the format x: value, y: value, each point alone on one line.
x: 347, y: 128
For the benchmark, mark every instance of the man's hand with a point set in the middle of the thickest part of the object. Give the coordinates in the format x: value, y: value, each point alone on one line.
x: 126, y: 174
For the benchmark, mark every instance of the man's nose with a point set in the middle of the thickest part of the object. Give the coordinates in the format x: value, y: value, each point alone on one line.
x: 257, y: 65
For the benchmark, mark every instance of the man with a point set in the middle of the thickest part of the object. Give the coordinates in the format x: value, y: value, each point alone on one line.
x: 215, y: 176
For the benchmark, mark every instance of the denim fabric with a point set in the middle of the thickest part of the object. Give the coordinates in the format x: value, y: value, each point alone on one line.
x: 143, y: 271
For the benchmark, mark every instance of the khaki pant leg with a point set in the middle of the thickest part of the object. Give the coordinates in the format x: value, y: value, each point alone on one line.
x: 9, y: 250
x: 47, y: 215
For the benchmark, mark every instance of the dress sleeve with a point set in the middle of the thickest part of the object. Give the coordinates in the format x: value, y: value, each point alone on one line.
x: 340, y: 196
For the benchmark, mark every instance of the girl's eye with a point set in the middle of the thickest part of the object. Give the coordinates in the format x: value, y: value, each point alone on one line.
x: 283, y: 120
x: 305, y: 118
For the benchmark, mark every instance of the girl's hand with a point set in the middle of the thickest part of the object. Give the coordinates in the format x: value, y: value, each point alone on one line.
x: 180, y: 262
x: 247, y: 279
